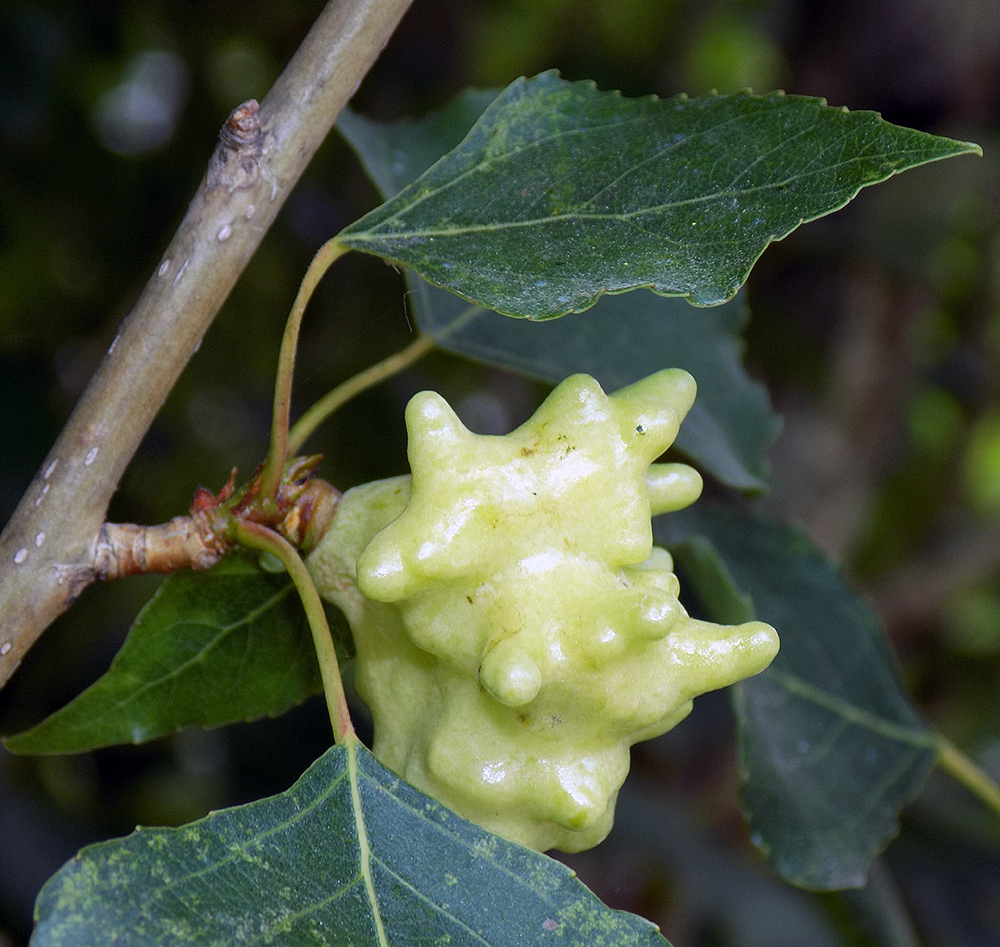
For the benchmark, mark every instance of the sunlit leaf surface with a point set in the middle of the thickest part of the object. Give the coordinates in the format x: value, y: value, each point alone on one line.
x: 618, y: 341
x: 561, y: 193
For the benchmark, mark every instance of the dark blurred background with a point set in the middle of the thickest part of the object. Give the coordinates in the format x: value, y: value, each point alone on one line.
x: 877, y: 330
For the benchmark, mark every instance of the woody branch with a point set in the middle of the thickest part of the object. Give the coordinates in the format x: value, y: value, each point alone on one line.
x: 48, y: 549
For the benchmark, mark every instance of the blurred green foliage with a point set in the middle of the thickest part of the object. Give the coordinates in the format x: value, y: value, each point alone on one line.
x: 982, y: 464
x: 877, y: 330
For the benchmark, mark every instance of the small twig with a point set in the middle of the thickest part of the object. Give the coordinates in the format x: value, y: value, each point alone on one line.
x: 301, y: 510
x: 186, y: 542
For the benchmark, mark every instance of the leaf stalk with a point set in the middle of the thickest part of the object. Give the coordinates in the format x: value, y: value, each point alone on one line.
x: 959, y: 766
x: 344, y: 392
x: 254, y: 536
x: 277, y: 453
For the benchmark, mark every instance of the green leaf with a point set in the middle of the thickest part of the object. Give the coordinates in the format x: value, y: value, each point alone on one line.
x: 618, y: 341
x: 348, y: 855
x: 561, y: 193
x: 209, y: 648
x: 831, y: 746
x: 623, y: 339
x: 707, y: 574
x: 396, y: 153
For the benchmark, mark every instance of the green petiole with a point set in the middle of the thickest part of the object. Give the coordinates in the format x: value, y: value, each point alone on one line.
x: 254, y: 536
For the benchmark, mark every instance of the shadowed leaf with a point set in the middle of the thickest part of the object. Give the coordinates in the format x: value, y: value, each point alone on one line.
x: 831, y: 747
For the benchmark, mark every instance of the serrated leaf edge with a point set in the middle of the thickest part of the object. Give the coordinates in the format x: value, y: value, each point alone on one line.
x: 356, y: 239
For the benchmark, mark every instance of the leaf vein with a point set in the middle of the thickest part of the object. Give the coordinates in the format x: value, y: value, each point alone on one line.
x: 176, y: 670
x: 239, y: 850
x: 850, y: 712
x: 364, y: 849
x: 438, y: 908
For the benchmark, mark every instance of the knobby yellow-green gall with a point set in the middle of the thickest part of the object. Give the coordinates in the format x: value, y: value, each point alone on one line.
x: 516, y: 629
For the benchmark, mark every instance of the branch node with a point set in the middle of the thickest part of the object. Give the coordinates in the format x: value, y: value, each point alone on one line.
x: 235, y: 163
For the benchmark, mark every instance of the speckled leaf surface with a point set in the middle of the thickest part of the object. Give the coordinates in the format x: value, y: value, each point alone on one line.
x: 209, y: 648
x: 348, y: 855
x: 831, y: 748
x: 561, y: 193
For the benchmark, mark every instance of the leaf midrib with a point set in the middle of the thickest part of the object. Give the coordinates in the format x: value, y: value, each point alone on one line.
x: 493, y: 162
x: 364, y: 849
x: 379, y: 233
x: 851, y: 713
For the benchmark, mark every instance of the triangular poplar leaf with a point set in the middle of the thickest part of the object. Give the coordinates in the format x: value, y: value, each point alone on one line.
x: 830, y: 745
x: 348, y: 855
x: 561, y: 193
x: 209, y: 648
x: 618, y: 341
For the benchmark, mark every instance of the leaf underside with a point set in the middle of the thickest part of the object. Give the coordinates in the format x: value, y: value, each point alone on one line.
x: 209, y: 648
x: 561, y: 193
x: 619, y: 341
x: 831, y: 747
x: 348, y: 855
